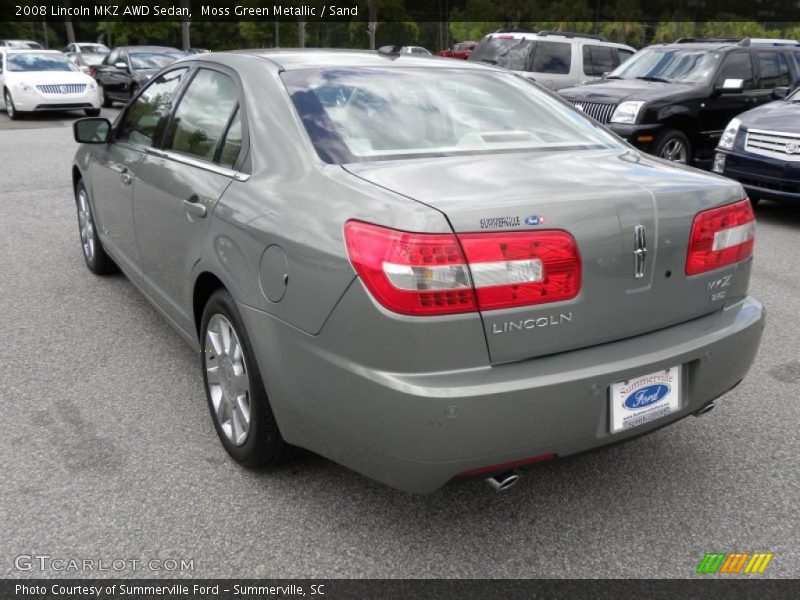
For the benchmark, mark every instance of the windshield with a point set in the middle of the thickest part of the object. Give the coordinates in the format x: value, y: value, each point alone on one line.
x: 98, y: 48
x: 40, y: 62
x: 354, y: 115
x: 678, y: 65
x: 504, y: 52
x: 152, y: 60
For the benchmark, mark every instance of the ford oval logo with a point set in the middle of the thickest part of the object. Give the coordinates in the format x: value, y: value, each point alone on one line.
x: 646, y: 396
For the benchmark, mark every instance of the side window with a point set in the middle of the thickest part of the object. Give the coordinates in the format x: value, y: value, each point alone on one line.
x: 737, y: 66
x: 598, y: 60
x: 145, y: 114
x: 623, y: 55
x: 233, y: 142
x: 203, y: 114
x: 111, y: 58
x: 773, y: 69
x: 552, y: 57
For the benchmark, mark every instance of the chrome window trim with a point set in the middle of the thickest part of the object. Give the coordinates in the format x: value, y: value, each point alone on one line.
x: 198, y: 163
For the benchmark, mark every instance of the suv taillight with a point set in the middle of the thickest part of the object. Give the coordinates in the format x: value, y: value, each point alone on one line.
x: 720, y: 237
x: 436, y: 274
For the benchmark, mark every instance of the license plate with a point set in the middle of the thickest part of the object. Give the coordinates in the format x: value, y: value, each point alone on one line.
x: 644, y: 399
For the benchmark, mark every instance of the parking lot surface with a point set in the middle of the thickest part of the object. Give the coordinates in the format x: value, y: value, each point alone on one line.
x: 109, y: 452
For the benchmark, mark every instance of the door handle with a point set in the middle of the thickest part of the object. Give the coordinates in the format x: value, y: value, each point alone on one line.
x: 125, y: 176
x: 194, y: 208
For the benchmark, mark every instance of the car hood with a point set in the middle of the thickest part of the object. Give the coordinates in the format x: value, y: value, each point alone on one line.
x: 618, y: 90
x: 780, y: 115
x: 51, y: 77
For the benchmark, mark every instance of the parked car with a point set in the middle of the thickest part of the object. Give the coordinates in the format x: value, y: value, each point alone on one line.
x: 674, y: 100
x: 461, y: 50
x: 87, y: 61
x: 761, y: 149
x: 126, y: 69
x: 88, y: 47
x: 555, y: 59
x: 21, y: 44
x: 455, y: 282
x: 44, y: 80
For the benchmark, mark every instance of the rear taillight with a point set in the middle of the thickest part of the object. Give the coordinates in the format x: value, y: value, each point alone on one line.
x: 720, y: 237
x: 91, y: 71
x: 435, y: 274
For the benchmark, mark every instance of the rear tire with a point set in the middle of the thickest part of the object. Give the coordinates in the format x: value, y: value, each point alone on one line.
x: 97, y: 260
x: 673, y: 145
x: 236, y: 396
x: 107, y: 102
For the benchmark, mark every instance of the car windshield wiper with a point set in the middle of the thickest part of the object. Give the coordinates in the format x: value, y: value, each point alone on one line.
x: 613, y: 77
x: 651, y: 78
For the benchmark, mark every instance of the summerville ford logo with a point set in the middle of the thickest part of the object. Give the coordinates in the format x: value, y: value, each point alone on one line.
x: 646, y: 396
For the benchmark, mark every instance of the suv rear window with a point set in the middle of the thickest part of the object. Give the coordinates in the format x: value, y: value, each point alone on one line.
x: 505, y: 52
x: 552, y: 57
x: 774, y: 69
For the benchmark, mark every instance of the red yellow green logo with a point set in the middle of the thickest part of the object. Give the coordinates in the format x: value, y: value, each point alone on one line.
x: 734, y: 562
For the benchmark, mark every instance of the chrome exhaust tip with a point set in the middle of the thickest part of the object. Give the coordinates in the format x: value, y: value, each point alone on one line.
x: 705, y: 410
x: 503, y: 481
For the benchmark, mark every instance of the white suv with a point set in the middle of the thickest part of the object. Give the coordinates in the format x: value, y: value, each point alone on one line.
x: 41, y: 80
x: 554, y: 59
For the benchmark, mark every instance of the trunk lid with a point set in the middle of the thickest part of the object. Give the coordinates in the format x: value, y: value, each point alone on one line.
x: 601, y: 198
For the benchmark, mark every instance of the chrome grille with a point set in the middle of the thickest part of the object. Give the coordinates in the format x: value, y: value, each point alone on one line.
x: 777, y: 144
x: 597, y: 110
x: 64, y: 88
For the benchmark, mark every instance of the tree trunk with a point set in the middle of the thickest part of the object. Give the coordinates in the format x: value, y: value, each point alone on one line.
x: 372, y: 25
x: 301, y: 33
x: 186, y: 40
x: 68, y: 23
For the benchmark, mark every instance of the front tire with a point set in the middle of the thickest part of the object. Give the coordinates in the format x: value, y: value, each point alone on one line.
x: 238, y: 402
x: 673, y: 145
x: 11, y: 110
x: 97, y: 260
x: 92, y: 112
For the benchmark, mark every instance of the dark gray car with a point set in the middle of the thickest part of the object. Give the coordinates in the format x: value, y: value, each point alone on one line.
x: 418, y: 268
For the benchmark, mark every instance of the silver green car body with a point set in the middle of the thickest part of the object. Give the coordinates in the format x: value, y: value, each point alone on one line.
x: 414, y: 401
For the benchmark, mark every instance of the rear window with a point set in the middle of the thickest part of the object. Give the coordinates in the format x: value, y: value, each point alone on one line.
x: 774, y: 69
x: 554, y: 58
x: 355, y: 115
x: 505, y: 52
x: 598, y: 60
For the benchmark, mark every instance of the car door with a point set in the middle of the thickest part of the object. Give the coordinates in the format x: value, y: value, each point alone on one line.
x: 115, y: 165
x: 723, y: 105
x: 2, y: 70
x: 179, y: 185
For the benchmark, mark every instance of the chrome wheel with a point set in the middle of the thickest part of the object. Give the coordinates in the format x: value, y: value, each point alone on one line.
x: 86, y: 224
x: 228, y: 382
x: 9, y: 106
x: 676, y: 151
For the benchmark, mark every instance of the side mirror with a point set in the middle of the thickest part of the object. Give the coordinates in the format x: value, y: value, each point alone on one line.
x: 780, y: 93
x: 121, y: 65
x: 732, y: 86
x: 92, y: 130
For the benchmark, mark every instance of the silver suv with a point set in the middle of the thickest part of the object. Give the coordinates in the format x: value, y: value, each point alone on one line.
x: 555, y: 59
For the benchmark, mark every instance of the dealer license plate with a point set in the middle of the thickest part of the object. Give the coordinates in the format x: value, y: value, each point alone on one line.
x: 644, y: 399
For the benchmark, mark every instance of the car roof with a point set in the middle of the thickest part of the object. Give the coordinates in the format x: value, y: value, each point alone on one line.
x: 292, y: 59
x: 148, y: 48
x: 555, y: 37
x: 32, y: 50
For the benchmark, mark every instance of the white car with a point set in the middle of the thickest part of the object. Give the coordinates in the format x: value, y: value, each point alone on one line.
x: 42, y: 80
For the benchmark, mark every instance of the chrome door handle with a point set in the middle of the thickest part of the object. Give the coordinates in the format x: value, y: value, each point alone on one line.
x: 193, y: 207
x: 125, y: 176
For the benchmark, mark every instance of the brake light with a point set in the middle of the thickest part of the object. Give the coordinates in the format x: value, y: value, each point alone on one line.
x: 91, y: 71
x: 720, y: 237
x: 435, y: 274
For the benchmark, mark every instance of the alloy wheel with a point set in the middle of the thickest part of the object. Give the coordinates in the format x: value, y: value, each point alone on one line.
x: 676, y: 151
x: 86, y: 224
x: 228, y: 381
x: 9, y: 105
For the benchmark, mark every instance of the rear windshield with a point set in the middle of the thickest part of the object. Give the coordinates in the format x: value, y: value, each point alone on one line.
x: 505, y: 52
x: 356, y: 115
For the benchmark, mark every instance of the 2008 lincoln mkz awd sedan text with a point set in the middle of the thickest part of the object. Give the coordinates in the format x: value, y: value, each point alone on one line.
x: 418, y: 269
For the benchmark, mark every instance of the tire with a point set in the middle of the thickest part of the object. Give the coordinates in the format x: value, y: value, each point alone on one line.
x: 754, y: 201
x: 107, y: 102
x: 673, y: 145
x: 11, y: 110
x: 236, y: 391
x: 97, y: 260
x: 92, y: 112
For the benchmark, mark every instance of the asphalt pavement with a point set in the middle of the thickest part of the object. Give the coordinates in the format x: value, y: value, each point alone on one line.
x: 108, y: 450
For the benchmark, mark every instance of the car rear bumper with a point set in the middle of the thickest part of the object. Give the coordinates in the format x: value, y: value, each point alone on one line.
x: 417, y: 430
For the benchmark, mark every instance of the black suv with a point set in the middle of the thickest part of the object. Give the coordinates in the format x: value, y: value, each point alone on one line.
x: 675, y: 100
